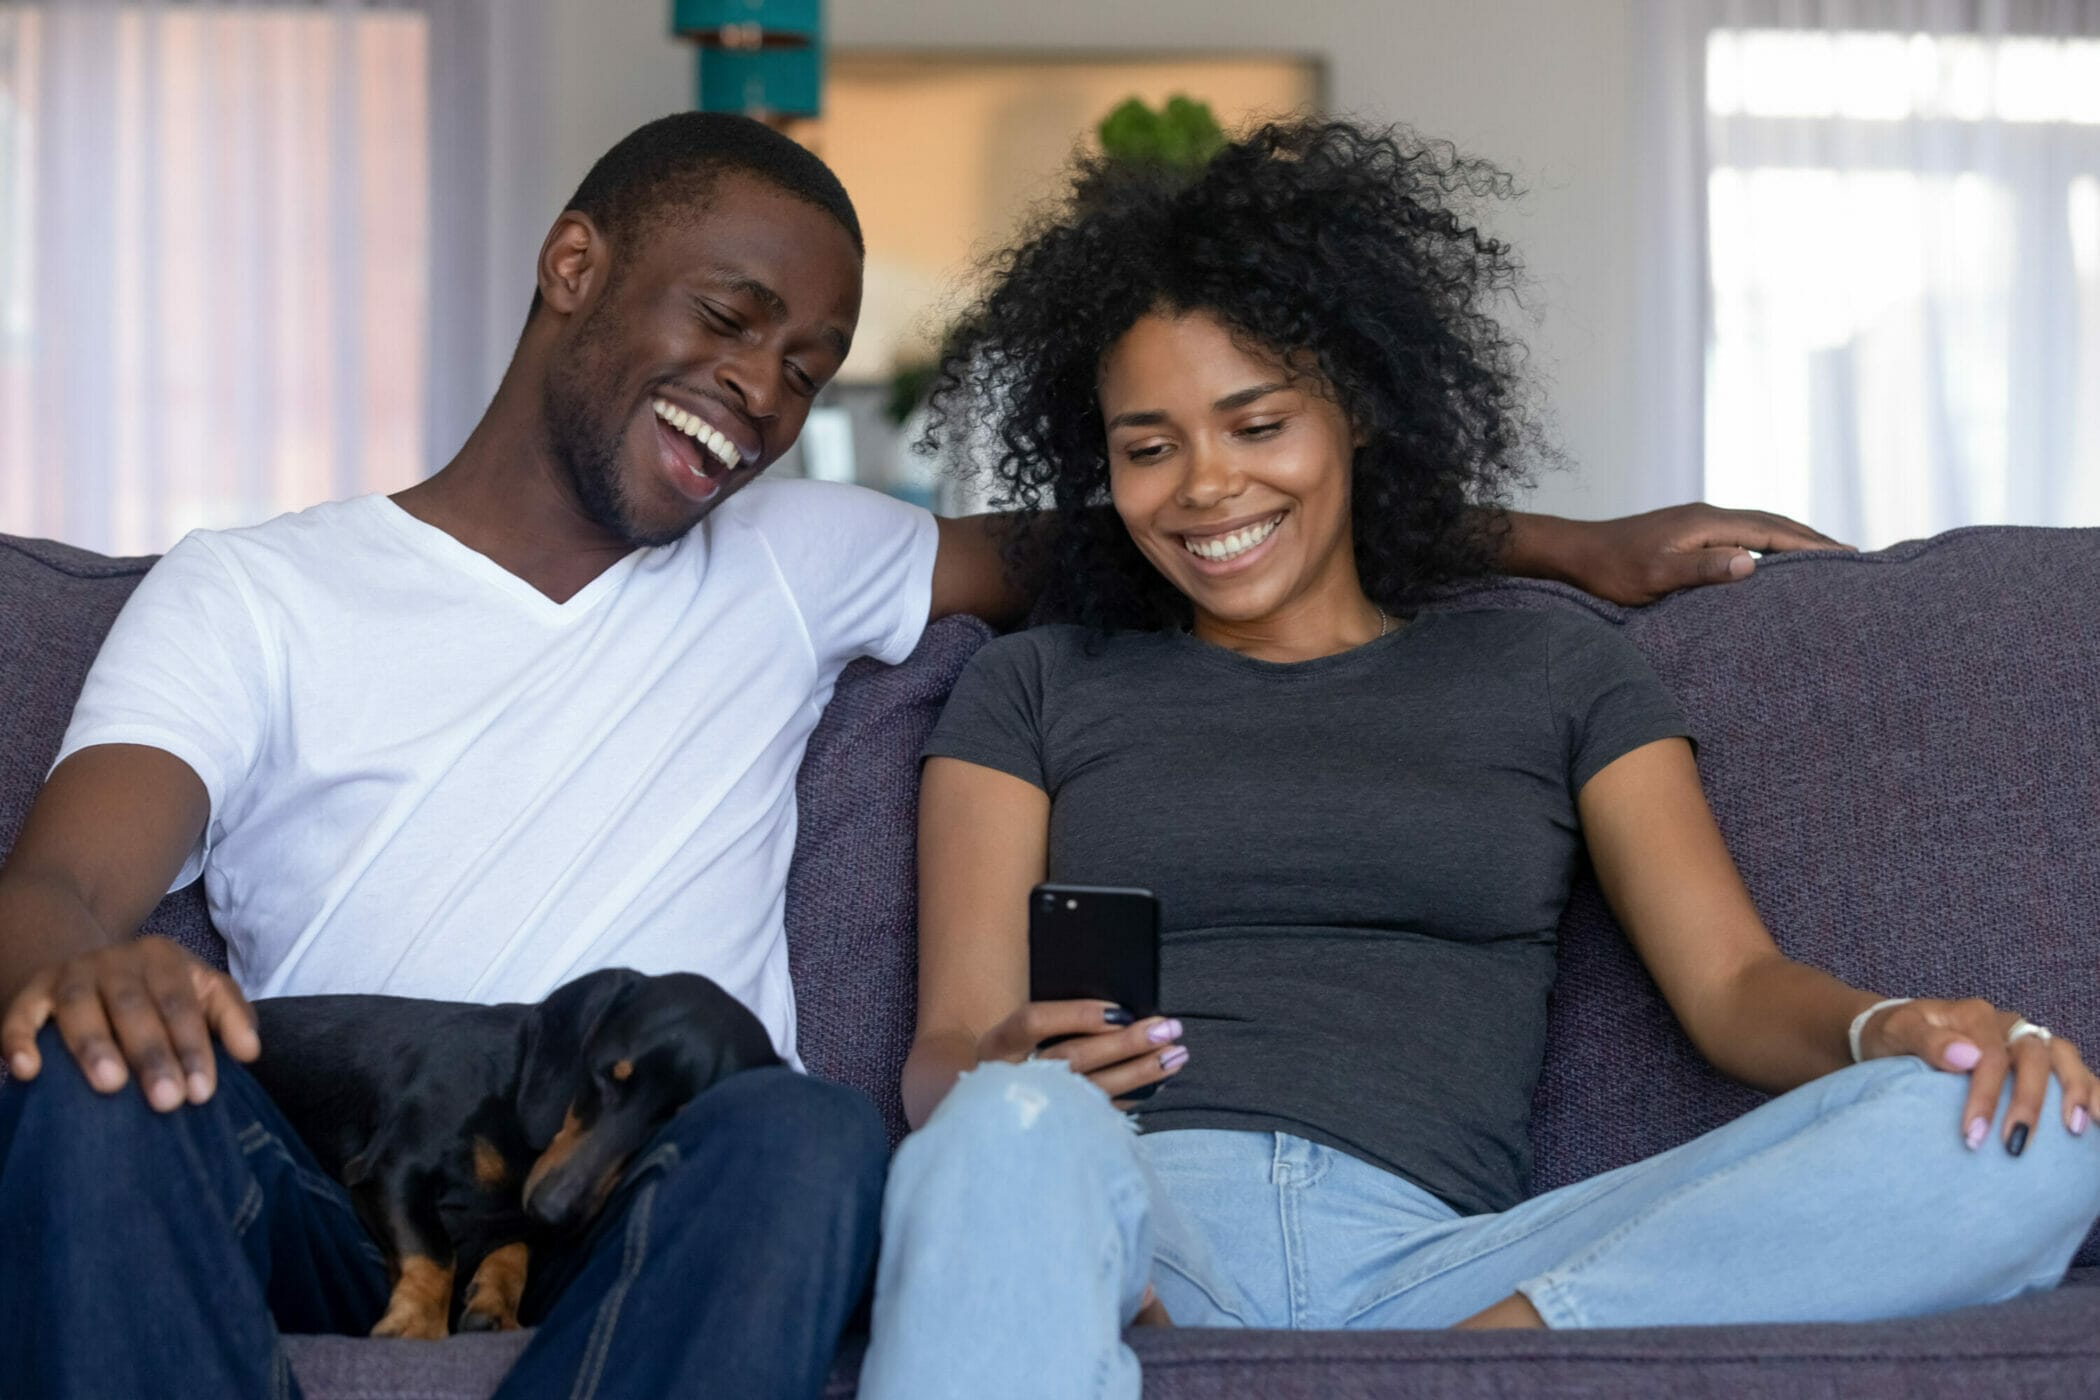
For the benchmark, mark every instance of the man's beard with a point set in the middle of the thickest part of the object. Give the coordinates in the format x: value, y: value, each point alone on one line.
x: 586, y: 447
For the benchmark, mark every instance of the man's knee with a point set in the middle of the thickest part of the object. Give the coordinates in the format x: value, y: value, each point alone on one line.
x: 58, y: 1133
x: 61, y: 1094
x: 805, y: 1134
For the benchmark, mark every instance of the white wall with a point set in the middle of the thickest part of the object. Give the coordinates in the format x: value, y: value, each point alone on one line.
x: 1539, y: 86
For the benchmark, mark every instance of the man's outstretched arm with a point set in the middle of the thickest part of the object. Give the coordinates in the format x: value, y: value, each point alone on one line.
x: 1637, y: 559
x: 105, y: 837
x: 1632, y: 560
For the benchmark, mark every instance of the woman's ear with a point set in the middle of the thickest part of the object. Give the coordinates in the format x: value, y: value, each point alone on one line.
x: 551, y: 1047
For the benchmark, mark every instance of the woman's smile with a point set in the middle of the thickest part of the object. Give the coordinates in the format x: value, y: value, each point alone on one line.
x: 1226, y: 548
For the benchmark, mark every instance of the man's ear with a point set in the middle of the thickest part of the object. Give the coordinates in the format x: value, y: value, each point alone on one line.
x: 573, y: 262
x: 551, y: 1046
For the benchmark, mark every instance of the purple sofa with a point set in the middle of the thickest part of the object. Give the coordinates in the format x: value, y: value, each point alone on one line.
x: 1903, y: 749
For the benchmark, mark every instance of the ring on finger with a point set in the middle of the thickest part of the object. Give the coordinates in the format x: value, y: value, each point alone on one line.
x: 2022, y: 1028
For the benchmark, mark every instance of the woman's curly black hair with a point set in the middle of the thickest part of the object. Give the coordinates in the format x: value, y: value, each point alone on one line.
x: 1314, y: 238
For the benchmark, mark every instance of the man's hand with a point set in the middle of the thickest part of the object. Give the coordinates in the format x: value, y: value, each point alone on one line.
x: 101, y: 844
x: 1640, y: 558
x: 146, y: 1007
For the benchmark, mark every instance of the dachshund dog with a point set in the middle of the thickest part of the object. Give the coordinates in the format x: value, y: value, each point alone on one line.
x: 464, y: 1132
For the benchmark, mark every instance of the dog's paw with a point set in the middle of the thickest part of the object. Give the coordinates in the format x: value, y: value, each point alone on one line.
x: 496, y: 1290
x: 416, y: 1323
x: 473, y: 1319
x: 421, y: 1301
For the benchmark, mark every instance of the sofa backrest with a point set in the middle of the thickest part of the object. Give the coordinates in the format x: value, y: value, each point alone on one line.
x: 1902, y: 748
x: 56, y: 604
x: 1903, y: 752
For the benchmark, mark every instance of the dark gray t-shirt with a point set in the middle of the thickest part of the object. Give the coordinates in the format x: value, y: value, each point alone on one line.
x: 1361, y: 859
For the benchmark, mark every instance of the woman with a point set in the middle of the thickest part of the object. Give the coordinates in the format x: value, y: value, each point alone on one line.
x: 1363, y: 820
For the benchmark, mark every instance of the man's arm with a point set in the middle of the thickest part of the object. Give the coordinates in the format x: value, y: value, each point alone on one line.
x: 970, y: 573
x: 106, y: 835
x: 1637, y: 559
x: 1632, y: 560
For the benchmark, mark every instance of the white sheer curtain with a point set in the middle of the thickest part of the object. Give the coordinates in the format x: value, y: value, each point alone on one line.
x: 242, y: 256
x: 1892, y: 215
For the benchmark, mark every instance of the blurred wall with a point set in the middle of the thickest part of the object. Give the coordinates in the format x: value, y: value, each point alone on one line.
x: 1540, y: 86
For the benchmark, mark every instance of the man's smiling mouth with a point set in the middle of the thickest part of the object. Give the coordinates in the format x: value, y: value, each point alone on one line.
x: 720, y: 449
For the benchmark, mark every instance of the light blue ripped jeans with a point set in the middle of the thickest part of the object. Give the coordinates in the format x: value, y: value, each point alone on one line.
x: 1023, y: 1222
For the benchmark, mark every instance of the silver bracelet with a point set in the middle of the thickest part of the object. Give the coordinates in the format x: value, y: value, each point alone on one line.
x: 1859, y: 1022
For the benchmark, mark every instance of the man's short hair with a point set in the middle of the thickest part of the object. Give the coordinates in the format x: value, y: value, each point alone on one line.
x: 668, y: 168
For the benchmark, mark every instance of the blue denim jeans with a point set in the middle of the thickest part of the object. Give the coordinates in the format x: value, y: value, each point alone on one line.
x: 146, y: 1255
x: 1025, y: 1219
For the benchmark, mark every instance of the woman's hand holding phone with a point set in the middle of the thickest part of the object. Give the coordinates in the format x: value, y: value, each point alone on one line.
x: 1095, y: 1038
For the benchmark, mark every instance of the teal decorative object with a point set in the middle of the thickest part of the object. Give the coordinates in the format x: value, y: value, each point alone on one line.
x: 696, y: 19
x: 764, y: 58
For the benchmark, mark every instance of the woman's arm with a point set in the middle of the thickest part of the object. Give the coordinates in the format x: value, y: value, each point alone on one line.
x: 1660, y: 859
x: 983, y: 844
x: 1756, y: 1014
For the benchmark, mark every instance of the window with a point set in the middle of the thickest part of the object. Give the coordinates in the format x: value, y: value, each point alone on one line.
x: 1904, y: 240
x: 213, y: 282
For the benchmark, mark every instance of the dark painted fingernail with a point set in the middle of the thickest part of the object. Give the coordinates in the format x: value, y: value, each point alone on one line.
x: 1117, y: 1016
x: 2017, y: 1143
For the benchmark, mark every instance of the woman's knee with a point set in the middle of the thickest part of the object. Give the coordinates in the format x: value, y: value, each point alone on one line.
x: 1017, y: 1122
x: 2049, y: 1194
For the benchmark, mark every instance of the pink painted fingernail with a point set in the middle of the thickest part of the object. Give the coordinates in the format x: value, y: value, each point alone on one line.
x: 2078, y: 1121
x: 1175, y: 1058
x: 1977, y: 1128
x: 1164, y: 1032
x: 1962, y: 1055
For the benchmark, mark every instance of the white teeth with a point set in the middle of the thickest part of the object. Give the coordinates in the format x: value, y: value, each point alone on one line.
x: 720, y: 447
x: 1222, y: 547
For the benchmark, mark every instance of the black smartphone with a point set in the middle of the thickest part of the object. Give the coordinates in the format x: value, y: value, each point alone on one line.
x: 1089, y: 941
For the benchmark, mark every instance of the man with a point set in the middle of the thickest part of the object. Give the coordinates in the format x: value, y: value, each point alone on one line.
x: 520, y: 721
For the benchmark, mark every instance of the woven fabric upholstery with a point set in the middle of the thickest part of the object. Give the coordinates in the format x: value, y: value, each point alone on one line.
x: 56, y: 605
x: 852, y: 895
x: 1903, y: 751
x: 2046, y: 1345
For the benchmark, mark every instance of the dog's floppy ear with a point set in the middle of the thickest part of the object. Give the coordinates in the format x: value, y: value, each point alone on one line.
x: 552, y: 1046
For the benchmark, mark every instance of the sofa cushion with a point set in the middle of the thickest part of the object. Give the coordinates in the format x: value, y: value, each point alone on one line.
x: 2043, y: 1345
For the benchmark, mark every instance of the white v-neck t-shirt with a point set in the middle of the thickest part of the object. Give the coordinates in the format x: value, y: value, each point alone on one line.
x: 429, y: 779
